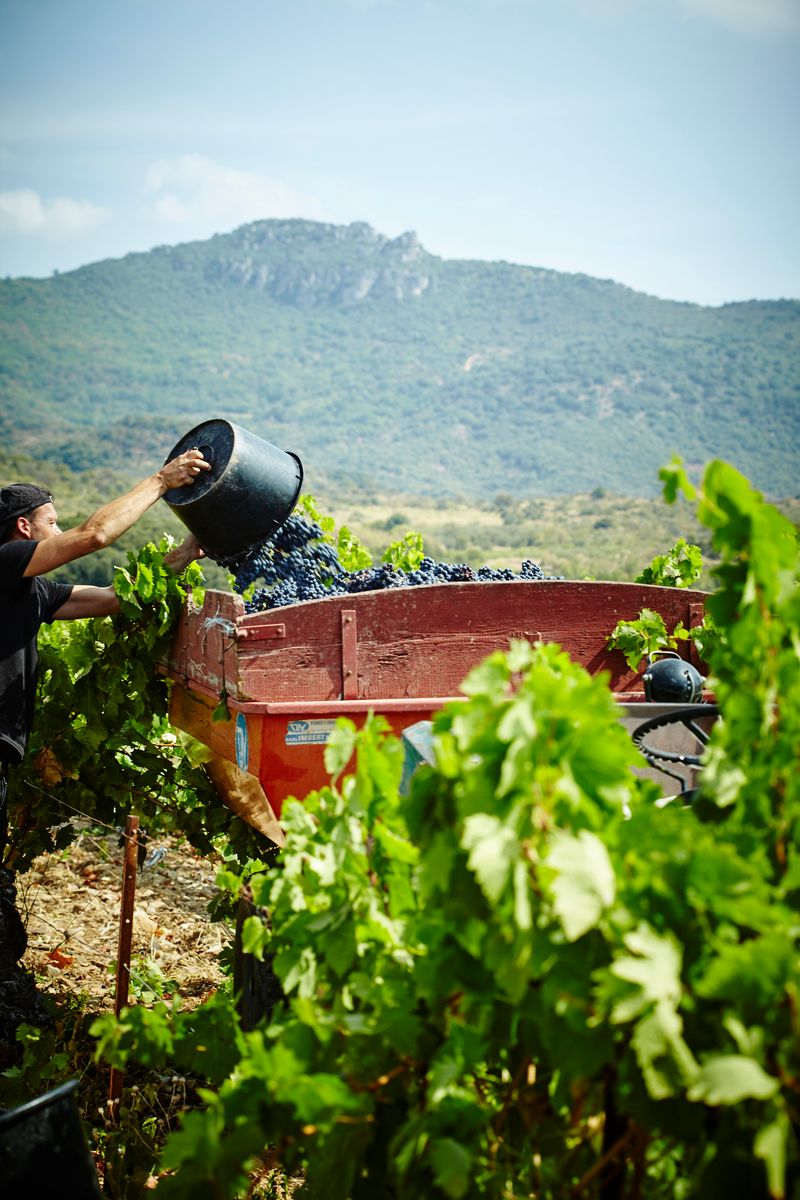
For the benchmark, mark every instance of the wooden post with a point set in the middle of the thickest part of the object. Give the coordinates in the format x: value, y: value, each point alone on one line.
x: 124, y: 945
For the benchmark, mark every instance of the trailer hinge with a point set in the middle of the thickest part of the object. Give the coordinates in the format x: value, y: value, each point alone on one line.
x: 349, y: 654
x: 260, y: 633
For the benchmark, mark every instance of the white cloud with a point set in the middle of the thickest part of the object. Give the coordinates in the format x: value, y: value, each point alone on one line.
x: 749, y: 16
x: 193, y: 187
x: 24, y: 211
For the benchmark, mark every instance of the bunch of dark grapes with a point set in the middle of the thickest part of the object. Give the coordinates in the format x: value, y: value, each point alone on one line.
x: 295, y: 564
x: 375, y: 579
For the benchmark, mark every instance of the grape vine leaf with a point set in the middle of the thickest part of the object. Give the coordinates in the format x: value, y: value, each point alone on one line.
x: 731, y: 1078
x: 585, y: 884
x: 451, y: 1165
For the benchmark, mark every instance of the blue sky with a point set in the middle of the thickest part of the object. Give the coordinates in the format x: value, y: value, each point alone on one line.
x: 654, y: 142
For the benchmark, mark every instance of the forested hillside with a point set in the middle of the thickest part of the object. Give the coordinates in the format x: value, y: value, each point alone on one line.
x: 389, y: 369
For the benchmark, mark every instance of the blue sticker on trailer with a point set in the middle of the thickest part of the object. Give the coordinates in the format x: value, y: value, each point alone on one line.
x: 242, y: 747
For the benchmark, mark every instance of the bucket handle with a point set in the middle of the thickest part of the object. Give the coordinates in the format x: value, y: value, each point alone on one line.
x: 207, y: 453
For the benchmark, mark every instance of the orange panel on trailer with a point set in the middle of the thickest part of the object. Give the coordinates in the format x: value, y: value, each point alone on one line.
x: 238, y: 739
x: 284, y: 749
x: 293, y: 747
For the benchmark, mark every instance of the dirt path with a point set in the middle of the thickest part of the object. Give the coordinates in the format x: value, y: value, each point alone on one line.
x: 70, y: 904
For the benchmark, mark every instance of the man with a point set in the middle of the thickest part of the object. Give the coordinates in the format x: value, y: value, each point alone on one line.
x: 31, y: 545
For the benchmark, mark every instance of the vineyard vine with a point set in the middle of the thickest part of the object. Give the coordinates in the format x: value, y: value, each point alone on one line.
x: 102, y: 744
x: 525, y: 978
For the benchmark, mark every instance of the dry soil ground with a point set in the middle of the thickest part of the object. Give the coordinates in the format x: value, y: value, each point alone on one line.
x: 70, y: 902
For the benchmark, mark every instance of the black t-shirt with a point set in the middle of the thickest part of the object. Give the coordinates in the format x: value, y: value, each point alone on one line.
x: 24, y: 604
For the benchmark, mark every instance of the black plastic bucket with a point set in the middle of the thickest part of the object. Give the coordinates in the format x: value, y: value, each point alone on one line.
x: 43, y: 1149
x: 250, y: 490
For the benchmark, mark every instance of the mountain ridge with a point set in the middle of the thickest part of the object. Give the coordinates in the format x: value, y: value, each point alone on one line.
x: 386, y: 366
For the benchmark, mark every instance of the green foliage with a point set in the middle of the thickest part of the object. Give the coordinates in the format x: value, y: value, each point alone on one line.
x: 405, y: 554
x: 387, y: 367
x: 563, y: 534
x: 46, y: 1061
x: 353, y: 554
x: 307, y: 504
x: 642, y: 636
x: 102, y: 745
x: 147, y: 981
x: 526, y: 965
x: 679, y: 567
x: 127, y: 1148
x: 675, y: 481
x: 753, y: 757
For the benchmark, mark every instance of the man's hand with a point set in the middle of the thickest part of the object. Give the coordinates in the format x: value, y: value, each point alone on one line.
x: 182, y: 555
x: 183, y: 469
x: 105, y: 526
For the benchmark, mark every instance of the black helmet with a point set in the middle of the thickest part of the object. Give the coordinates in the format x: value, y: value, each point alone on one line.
x: 672, y: 680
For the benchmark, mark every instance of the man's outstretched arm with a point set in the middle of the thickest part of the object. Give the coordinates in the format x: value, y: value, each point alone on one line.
x: 88, y: 601
x: 109, y: 522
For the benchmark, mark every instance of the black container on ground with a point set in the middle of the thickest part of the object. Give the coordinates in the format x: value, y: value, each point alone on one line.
x: 43, y: 1149
x: 250, y: 490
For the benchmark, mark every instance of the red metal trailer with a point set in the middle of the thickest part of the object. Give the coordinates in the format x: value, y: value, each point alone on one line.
x: 288, y: 674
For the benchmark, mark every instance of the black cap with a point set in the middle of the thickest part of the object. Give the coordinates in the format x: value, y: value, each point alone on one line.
x: 18, y: 499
